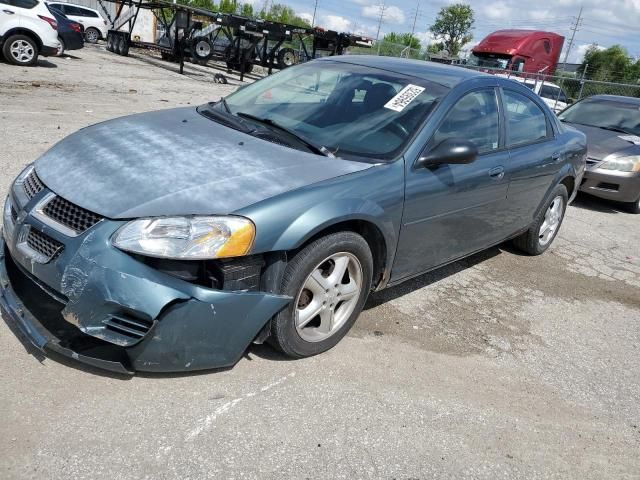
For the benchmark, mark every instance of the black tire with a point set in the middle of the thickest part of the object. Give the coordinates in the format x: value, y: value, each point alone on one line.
x: 119, y: 45
x: 634, y: 207
x: 202, y: 50
x: 92, y: 35
x: 61, y: 48
x: 287, y: 57
x: 284, y: 335
x: 28, y: 57
x: 109, y: 46
x: 124, y: 51
x: 530, y: 241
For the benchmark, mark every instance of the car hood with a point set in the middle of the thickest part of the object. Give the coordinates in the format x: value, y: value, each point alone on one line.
x: 176, y: 162
x: 601, y: 143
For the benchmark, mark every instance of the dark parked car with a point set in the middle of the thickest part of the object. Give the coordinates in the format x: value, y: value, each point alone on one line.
x: 271, y: 215
x: 69, y: 33
x: 612, y: 126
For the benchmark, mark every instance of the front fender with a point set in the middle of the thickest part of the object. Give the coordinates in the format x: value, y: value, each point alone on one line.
x: 374, y: 195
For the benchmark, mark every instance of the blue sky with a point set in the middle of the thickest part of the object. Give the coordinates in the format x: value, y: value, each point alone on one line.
x: 603, y: 23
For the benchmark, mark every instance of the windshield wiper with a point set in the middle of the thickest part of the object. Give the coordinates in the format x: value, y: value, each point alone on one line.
x: 309, y: 144
x: 225, y: 117
x: 618, y: 129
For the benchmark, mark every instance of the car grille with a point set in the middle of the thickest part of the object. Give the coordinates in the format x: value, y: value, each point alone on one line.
x: 42, y: 243
x: 70, y: 215
x: 592, y: 161
x: 133, y: 328
x: 32, y: 185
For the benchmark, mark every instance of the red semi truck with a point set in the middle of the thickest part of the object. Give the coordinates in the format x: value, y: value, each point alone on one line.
x: 528, y: 51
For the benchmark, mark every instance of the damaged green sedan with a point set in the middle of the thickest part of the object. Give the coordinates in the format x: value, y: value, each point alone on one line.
x: 270, y: 215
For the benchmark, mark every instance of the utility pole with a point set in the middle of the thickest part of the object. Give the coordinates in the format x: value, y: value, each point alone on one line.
x: 574, y: 28
x: 382, y: 7
x: 413, y: 28
x: 315, y: 9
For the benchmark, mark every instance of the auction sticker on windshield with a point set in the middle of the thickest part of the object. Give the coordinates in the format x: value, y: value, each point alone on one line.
x: 404, y: 97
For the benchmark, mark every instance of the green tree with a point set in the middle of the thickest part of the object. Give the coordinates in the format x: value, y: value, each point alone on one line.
x: 228, y: 6
x: 284, y: 14
x: 610, y: 65
x: 395, y: 45
x: 247, y: 10
x: 453, y: 27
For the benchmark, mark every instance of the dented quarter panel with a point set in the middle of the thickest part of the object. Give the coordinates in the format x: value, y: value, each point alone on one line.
x: 180, y: 162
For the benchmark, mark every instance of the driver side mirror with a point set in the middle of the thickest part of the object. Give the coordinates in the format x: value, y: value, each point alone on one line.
x: 449, y: 151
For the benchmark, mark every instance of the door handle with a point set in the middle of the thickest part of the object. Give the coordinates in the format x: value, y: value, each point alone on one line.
x: 497, y: 173
x: 556, y: 156
x: 9, y: 12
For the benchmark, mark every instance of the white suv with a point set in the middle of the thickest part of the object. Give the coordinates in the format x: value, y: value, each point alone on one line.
x: 555, y: 98
x: 27, y: 29
x: 93, y: 25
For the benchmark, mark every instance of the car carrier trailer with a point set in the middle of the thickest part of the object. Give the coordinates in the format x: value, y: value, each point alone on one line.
x: 240, y: 42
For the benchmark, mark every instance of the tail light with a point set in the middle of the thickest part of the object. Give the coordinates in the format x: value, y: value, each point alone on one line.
x: 50, y: 21
x: 76, y: 27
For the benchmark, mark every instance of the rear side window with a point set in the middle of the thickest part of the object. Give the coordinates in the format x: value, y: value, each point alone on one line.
x: 475, y: 117
x: 24, y: 3
x: 525, y: 120
x: 83, y: 12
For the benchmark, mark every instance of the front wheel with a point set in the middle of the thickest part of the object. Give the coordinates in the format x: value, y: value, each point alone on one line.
x: 634, y: 207
x: 329, y: 281
x: 544, y: 229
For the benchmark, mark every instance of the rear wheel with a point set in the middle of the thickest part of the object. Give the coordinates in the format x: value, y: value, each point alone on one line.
x: 329, y: 281
x: 91, y: 35
x: 61, y: 48
x: 20, y: 50
x: 545, y: 227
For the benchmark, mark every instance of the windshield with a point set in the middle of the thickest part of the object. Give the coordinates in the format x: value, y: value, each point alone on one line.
x: 347, y: 110
x: 489, y: 61
x: 605, y: 113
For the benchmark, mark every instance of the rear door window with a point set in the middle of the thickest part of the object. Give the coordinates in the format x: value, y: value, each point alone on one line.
x: 526, y: 121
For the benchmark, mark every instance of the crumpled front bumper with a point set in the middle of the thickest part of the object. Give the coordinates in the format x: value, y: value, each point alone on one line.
x: 191, y: 327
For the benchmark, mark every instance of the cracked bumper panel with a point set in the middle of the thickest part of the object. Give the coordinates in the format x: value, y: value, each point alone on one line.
x: 106, y: 309
x: 612, y: 185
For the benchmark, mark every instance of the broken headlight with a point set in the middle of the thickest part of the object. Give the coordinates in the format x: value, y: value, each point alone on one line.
x: 187, y: 238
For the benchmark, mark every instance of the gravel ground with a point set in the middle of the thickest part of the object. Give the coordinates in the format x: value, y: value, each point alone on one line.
x: 499, y: 366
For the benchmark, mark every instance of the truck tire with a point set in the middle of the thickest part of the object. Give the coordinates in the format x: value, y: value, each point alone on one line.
x: 287, y: 57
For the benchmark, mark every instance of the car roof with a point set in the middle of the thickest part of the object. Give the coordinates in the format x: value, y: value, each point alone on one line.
x: 447, y: 75
x: 73, y: 5
x: 618, y: 98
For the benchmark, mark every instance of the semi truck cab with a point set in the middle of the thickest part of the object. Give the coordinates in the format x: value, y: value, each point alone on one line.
x: 527, y: 51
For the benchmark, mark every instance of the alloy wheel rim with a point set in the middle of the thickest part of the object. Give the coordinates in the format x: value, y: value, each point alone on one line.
x: 552, y: 219
x: 92, y: 36
x: 22, y: 51
x: 328, y: 297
